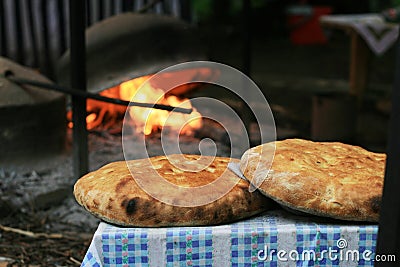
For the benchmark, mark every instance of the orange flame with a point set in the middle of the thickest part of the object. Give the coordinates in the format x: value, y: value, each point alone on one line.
x: 145, y: 120
x: 148, y: 120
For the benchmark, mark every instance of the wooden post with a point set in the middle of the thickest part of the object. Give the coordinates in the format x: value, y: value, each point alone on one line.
x: 359, y: 61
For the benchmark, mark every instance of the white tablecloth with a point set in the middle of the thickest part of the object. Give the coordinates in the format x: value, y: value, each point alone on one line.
x: 378, y: 34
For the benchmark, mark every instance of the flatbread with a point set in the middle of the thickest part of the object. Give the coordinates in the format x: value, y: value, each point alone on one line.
x: 322, y: 178
x: 112, y: 194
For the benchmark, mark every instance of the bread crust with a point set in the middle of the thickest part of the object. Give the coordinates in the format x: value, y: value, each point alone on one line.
x: 112, y: 194
x: 329, y: 179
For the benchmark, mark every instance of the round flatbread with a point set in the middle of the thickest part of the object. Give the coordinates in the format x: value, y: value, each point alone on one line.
x: 112, y: 194
x: 322, y: 178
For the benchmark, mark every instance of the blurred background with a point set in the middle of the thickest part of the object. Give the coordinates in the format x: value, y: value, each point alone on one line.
x: 279, y: 44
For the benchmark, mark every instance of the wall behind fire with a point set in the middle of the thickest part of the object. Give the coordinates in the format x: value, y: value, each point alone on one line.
x: 35, y: 33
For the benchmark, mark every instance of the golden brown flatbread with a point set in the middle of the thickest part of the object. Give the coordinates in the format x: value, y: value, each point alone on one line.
x: 323, y: 178
x: 112, y: 194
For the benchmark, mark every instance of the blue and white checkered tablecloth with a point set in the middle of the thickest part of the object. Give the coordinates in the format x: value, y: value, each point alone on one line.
x: 275, y: 238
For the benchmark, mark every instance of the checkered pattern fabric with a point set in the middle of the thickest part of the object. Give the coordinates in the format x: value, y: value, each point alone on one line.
x: 89, y: 261
x: 189, y: 247
x: 125, y: 248
x: 238, y: 244
x: 248, y: 238
x: 367, y: 241
x: 316, y: 245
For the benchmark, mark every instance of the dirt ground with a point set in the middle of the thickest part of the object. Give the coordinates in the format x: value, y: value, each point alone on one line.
x: 289, y: 76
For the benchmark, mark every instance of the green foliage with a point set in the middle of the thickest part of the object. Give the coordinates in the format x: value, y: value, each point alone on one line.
x: 203, y: 9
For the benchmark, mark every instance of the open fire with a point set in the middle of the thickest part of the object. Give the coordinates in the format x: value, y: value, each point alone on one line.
x: 144, y: 120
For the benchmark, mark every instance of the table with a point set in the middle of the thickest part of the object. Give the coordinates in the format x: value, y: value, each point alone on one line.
x: 275, y: 238
x: 368, y: 33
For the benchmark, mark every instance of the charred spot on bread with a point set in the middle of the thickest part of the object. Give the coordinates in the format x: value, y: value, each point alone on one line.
x: 216, y: 215
x: 376, y: 204
x: 130, y: 205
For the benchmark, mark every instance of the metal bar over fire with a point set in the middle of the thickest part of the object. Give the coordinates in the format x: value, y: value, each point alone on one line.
x: 85, y: 94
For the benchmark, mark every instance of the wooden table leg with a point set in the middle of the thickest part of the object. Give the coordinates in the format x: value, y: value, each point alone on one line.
x: 359, y: 61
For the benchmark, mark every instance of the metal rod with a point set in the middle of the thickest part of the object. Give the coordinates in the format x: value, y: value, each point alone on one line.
x: 45, y: 62
x: 246, y: 33
x: 61, y: 27
x: 78, y: 80
x: 18, y: 32
x: 86, y: 95
x: 32, y: 35
x: 389, y: 223
x: 3, y: 33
